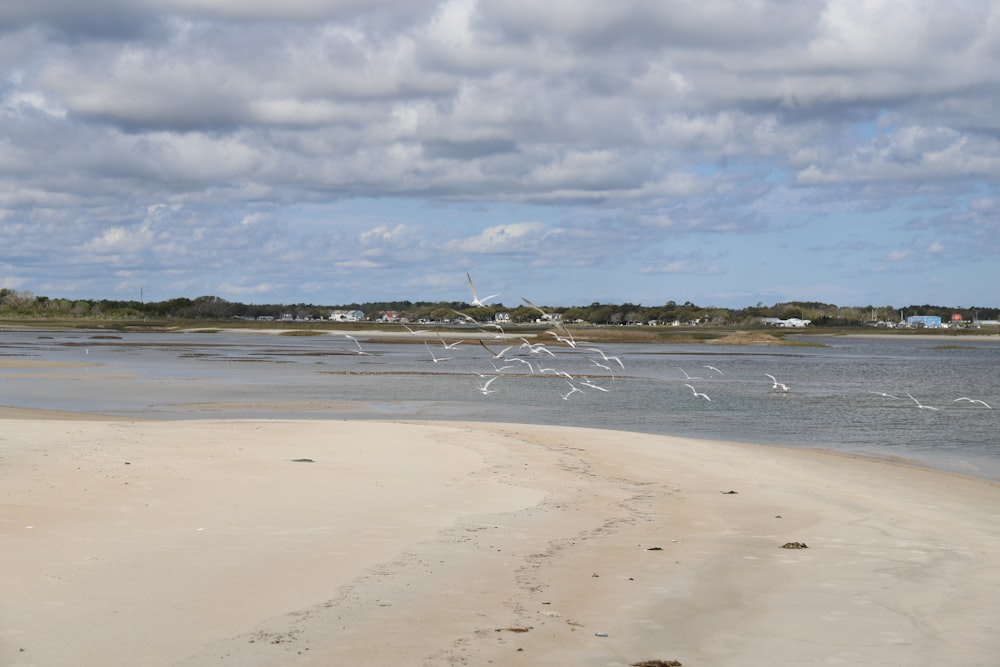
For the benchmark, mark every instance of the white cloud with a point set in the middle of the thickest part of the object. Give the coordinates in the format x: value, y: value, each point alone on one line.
x: 518, y: 237
x: 189, y: 132
x: 245, y: 289
x: 121, y: 240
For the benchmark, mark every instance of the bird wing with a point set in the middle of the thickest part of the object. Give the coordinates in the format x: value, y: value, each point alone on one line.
x: 475, y: 299
x: 531, y: 305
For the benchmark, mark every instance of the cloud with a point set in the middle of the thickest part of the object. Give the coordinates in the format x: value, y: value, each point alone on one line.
x: 176, y: 137
x: 682, y: 266
x: 115, y: 240
x: 519, y: 237
x: 244, y: 289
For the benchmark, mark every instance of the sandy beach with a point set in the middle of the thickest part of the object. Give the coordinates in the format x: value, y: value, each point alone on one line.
x: 323, y: 542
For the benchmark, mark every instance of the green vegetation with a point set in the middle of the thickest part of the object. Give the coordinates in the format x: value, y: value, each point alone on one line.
x: 686, y: 322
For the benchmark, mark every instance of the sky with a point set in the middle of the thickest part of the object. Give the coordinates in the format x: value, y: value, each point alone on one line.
x: 722, y: 152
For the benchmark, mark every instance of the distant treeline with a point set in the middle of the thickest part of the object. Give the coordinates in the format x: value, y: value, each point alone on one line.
x: 23, y: 304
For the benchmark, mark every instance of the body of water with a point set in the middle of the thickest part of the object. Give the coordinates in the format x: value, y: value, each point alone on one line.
x: 834, y: 400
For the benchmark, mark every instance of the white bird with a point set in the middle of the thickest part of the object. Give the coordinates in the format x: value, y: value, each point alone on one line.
x: 555, y: 372
x: 573, y: 390
x: 496, y: 355
x: 499, y: 369
x: 882, y: 393
x: 502, y: 335
x: 476, y: 301
x: 689, y: 377
x: 776, y: 385
x: 523, y: 361
x: 974, y: 400
x: 698, y: 393
x: 466, y: 318
x: 605, y: 367
x: 536, y: 348
x: 568, y: 339
x: 450, y: 346
x: 921, y: 405
x: 415, y: 332
x: 606, y: 357
x: 531, y: 305
x: 485, y: 387
x: 434, y: 357
x: 593, y: 385
x: 714, y: 369
x: 360, y: 350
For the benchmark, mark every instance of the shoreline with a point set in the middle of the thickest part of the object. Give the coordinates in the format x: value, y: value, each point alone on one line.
x: 616, y: 334
x: 280, y: 541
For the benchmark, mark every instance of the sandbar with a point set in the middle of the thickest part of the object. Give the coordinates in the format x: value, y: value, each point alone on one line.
x: 334, y: 542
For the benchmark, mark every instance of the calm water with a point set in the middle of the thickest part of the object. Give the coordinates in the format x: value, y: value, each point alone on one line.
x: 830, y: 403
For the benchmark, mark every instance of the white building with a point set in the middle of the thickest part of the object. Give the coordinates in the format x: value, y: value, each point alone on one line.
x: 791, y: 322
x: 347, y: 316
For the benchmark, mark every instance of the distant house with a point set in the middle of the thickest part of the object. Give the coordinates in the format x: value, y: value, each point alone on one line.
x: 347, y: 316
x: 790, y: 323
x: 928, y: 321
x: 501, y: 318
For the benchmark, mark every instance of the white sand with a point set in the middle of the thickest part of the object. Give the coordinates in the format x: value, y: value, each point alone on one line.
x: 204, y: 543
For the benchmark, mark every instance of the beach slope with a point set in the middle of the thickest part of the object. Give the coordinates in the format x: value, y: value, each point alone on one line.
x: 319, y: 542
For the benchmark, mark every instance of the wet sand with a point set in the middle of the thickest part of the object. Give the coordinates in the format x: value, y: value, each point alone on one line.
x: 323, y: 542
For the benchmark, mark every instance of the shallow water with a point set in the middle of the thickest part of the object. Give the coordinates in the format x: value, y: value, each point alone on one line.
x: 830, y: 404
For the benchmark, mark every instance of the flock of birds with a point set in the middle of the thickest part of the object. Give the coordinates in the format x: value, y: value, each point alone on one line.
x: 538, y: 358
x: 519, y: 358
x: 972, y: 401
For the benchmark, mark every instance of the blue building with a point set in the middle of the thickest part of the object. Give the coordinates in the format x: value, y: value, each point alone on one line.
x: 929, y: 321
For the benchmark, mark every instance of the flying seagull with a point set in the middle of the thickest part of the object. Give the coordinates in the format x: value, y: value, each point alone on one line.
x: 496, y: 355
x: 882, y: 393
x: 476, y: 301
x: 573, y: 390
x: 698, y: 393
x: 921, y: 405
x: 606, y: 357
x: 531, y: 305
x: 974, y: 400
x: 415, y: 332
x: 465, y: 318
x: 777, y: 385
x: 360, y: 350
x: 435, y: 357
x: 450, y: 346
x: 605, y: 367
x: 591, y: 384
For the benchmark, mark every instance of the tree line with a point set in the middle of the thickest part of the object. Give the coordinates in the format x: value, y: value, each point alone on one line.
x: 24, y: 304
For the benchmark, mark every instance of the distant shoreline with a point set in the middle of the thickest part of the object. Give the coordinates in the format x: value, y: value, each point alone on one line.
x: 599, y: 334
